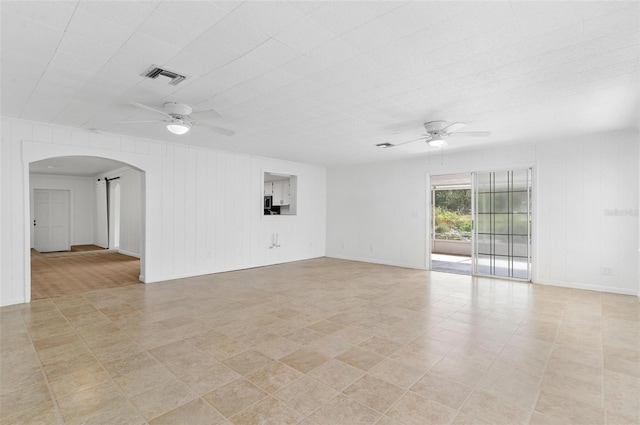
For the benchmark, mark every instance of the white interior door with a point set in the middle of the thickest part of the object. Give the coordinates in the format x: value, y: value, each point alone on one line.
x: 51, y: 220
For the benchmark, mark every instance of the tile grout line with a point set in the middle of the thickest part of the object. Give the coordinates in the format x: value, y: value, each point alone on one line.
x: 555, y: 340
x: 41, y: 366
x: 111, y: 378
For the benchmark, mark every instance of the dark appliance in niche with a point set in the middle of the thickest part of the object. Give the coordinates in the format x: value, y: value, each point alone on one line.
x: 269, y: 208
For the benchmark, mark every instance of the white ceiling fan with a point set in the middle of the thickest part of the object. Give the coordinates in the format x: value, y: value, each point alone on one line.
x: 180, y: 118
x: 437, y: 132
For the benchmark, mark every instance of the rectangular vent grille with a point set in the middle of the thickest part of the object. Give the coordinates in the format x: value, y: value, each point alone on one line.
x: 155, y: 72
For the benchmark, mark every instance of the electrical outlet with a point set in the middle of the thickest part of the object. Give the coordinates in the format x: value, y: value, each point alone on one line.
x: 607, y: 271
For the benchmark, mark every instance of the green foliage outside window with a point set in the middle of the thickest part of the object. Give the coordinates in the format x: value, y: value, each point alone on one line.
x: 453, y: 214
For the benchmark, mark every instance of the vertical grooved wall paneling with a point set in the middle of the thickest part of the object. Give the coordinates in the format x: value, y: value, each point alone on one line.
x: 200, y: 211
x: 585, y: 217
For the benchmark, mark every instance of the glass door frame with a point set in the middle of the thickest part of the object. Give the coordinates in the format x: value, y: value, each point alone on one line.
x: 530, y: 223
x: 430, y: 209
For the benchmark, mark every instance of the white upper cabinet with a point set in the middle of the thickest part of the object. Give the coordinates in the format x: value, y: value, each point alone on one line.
x: 281, y: 193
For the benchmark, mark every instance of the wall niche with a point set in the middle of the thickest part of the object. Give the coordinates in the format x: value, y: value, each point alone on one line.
x: 280, y: 194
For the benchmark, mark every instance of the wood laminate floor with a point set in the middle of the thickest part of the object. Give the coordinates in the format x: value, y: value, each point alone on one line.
x: 86, y: 269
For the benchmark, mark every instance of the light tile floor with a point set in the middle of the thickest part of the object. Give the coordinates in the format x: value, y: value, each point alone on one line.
x: 323, y: 342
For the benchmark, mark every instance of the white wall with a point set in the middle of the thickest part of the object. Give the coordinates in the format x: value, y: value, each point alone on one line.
x: 130, y: 210
x: 379, y: 212
x: 202, y: 208
x: 81, y: 208
x: 101, y: 228
x: 579, y: 182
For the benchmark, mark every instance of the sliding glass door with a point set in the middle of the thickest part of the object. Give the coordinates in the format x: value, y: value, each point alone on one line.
x: 502, y: 224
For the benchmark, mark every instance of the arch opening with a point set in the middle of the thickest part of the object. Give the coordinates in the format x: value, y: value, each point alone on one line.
x: 85, y: 179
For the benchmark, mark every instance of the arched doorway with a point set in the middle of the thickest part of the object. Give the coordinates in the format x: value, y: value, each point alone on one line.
x: 102, y: 244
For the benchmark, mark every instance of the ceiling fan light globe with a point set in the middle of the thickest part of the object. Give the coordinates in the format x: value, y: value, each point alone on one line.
x: 437, y: 142
x: 178, y: 128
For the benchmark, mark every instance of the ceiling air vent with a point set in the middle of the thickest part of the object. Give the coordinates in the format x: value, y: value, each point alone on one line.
x: 155, y: 72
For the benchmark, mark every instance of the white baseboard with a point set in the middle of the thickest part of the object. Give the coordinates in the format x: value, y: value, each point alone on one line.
x: 130, y: 254
x: 376, y: 261
x: 588, y: 287
x: 563, y: 284
x: 154, y: 279
x: 12, y: 301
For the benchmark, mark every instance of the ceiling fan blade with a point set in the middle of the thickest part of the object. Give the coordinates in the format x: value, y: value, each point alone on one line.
x: 217, y: 129
x: 452, y: 127
x: 470, y: 134
x: 139, y: 122
x: 149, y: 108
x: 391, y: 145
x: 205, y: 115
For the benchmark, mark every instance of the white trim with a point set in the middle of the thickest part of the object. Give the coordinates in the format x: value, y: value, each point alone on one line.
x: 587, y: 287
x: 429, y: 220
x: 12, y: 301
x: 115, y: 173
x: 128, y: 253
x: 30, y: 154
x: 185, y: 275
x: 561, y: 284
x: 534, y: 235
x: 384, y: 263
x: 26, y: 248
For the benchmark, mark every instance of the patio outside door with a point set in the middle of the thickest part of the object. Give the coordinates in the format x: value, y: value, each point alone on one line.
x: 502, y: 224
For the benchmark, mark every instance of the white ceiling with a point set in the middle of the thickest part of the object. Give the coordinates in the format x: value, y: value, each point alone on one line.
x: 323, y: 82
x: 75, y: 166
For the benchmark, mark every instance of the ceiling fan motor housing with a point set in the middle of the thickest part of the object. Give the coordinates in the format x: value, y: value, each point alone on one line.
x: 434, y: 127
x: 175, y: 119
x: 177, y: 109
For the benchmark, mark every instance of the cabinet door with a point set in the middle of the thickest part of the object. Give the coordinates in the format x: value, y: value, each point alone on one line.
x: 281, y: 195
x: 286, y: 193
x: 268, y: 189
x: 277, y: 193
